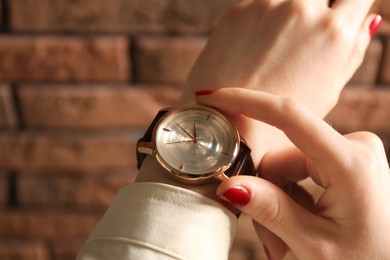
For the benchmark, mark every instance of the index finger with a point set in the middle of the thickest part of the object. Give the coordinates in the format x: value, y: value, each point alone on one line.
x: 314, y: 137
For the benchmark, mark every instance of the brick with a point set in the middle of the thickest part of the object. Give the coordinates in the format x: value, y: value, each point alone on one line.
x: 116, y: 16
x: 56, y: 191
x: 165, y: 59
x: 22, y: 224
x: 384, y: 77
x: 386, y: 143
x: 65, y: 249
x: 51, y: 151
x: 1, y: 15
x: 64, y: 59
x: 24, y: 250
x: 384, y: 28
x: 367, y: 73
x: 3, y: 191
x: 362, y: 109
x: 8, y: 118
x: 91, y: 107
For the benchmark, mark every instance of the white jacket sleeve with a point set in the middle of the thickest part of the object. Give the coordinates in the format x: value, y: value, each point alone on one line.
x: 158, y: 221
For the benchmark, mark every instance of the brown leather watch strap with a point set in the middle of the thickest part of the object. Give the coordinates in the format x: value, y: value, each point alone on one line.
x: 243, y: 165
x: 148, y: 136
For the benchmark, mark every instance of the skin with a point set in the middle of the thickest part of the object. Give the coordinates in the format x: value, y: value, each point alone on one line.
x: 297, y: 48
x: 350, y: 220
x: 302, y: 49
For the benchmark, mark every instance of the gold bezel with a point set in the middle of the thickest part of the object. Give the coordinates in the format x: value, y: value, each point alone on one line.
x: 188, y: 178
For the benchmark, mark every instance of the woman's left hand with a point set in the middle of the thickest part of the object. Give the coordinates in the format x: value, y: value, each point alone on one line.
x: 303, y: 49
x: 299, y: 48
x: 351, y: 219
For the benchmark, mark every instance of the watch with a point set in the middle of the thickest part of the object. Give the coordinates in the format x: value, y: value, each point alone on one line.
x: 196, y: 144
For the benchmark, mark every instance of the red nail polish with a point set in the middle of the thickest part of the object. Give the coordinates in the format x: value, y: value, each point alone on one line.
x: 204, y: 92
x: 374, y: 25
x: 237, y: 195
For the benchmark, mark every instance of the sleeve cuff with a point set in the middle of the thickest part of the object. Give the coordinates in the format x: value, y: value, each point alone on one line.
x: 169, y: 220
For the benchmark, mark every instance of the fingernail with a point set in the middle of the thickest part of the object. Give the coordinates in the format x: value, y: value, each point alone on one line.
x: 204, y: 92
x: 374, y: 25
x: 237, y: 195
x: 266, y: 251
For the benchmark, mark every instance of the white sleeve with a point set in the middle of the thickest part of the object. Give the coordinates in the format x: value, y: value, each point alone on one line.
x: 158, y: 221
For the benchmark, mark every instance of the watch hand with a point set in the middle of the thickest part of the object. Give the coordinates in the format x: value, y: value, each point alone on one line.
x: 195, y: 133
x: 185, y: 141
x: 185, y: 131
x: 178, y: 142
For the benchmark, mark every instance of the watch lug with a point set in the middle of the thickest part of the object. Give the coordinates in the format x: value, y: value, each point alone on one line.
x: 221, y: 177
x: 145, y: 148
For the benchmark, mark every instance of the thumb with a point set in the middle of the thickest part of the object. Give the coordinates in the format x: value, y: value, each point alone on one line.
x: 271, y: 207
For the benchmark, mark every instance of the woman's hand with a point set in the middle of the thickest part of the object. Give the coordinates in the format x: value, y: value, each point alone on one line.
x: 298, y: 48
x: 350, y: 220
x: 303, y: 49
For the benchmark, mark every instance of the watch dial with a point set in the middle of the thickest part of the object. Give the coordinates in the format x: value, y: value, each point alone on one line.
x: 196, y: 141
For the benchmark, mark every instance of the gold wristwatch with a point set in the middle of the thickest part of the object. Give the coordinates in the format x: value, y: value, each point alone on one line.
x: 196, y: 144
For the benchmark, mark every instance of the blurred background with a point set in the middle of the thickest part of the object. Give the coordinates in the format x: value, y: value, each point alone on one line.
x: 81, y: 80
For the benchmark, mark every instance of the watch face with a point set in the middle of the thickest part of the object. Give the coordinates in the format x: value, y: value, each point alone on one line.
x: 196, y: 141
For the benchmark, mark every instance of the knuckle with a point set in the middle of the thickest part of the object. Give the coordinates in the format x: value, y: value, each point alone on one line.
x: 291, y: 109
x: 292, y: 106
x: 370, y: 138
x: 301, y: 9
x: 336, y: 30
x: 370, y: 142
x: 270, y: 213
x: 325, y: 248
x: 366, y: 158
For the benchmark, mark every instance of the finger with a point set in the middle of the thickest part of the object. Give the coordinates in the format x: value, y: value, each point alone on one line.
x: 315, y: 138
x: 274, y: 209
x: 366, y: 141
x: 362, y: 42
x: 368, y: 146
x: 282, y: 167
x: 353, y: 10
x: 289, y: 166
x: 274, y: 247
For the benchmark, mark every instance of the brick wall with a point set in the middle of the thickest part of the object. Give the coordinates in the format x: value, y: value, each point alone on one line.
x: 80, y: 81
